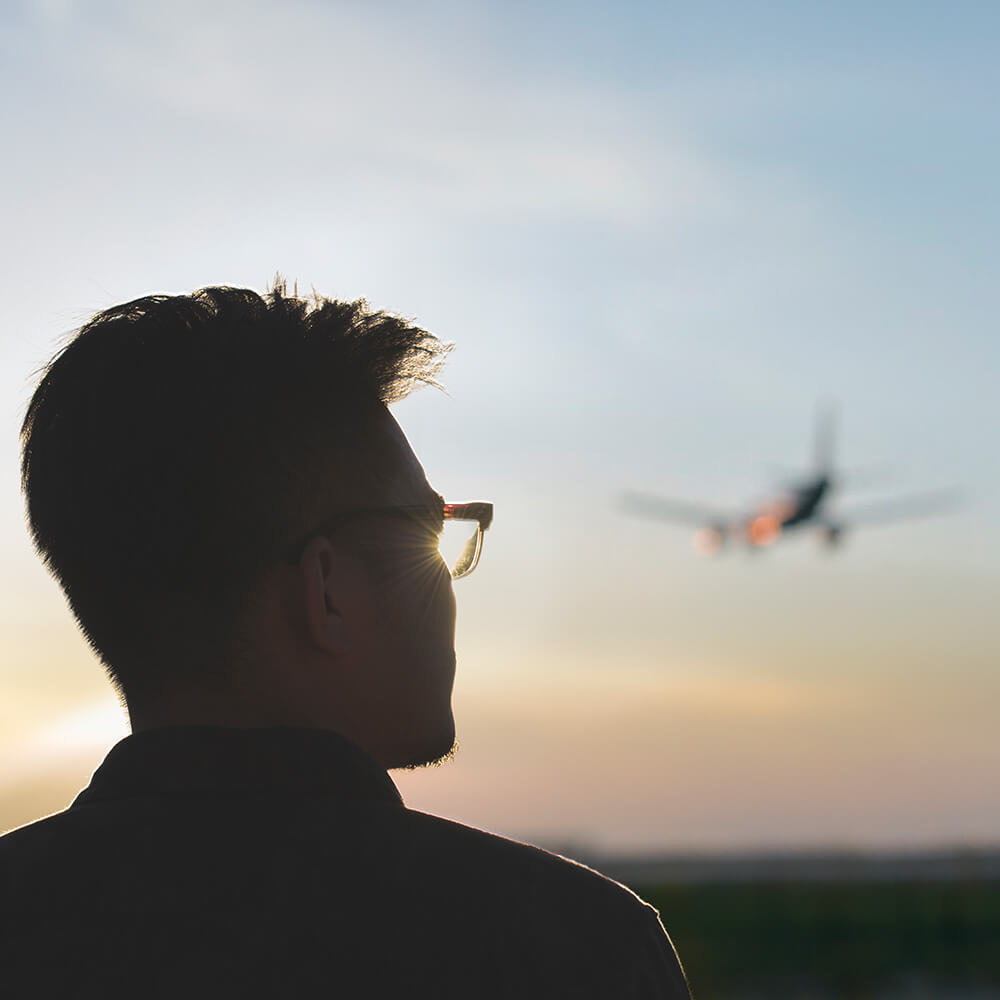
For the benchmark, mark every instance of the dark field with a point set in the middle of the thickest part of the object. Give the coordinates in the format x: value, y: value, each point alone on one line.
x: 820, y: 939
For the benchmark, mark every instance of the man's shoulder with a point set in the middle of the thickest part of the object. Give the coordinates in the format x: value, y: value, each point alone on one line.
x: 18, y: 841
x: 559, y: 912
x: 476, y: 871
x: 459, y: 903
x: 459, y: 850
x: 54, y: 852
x: 397, y: 846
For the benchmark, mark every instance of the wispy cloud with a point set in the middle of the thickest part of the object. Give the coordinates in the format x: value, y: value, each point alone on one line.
x: 406, y: 109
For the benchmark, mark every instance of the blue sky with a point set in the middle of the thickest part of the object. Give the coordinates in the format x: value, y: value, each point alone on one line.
x: 658, y: 235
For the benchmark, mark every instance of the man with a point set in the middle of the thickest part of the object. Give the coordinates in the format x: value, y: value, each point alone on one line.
x: 251, y: 548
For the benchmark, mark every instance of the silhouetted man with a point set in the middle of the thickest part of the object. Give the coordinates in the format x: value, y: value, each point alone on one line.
x: 251, y: 548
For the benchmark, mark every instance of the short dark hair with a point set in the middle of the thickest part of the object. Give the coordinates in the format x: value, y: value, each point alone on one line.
x: 172, y: 445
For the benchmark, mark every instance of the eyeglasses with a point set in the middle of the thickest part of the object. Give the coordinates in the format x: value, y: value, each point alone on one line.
x: 457, y: 527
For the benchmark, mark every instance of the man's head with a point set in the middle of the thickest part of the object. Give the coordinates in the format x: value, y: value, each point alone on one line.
x: 177, y: 447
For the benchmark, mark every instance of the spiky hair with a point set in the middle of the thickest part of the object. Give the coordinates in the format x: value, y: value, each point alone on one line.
x: 175, y: 440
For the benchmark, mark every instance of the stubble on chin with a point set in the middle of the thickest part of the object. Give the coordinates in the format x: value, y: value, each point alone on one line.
x: 444, y: 758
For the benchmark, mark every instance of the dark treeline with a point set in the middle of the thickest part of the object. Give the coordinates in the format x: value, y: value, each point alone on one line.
x: 859, y: 940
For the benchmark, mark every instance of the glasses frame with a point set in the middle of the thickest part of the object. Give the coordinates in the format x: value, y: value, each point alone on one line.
x: 430, y: 515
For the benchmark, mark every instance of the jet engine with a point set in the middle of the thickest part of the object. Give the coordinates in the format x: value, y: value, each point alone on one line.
x: 710, y: 539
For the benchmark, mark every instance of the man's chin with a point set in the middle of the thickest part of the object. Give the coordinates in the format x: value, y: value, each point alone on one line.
x: 431, y: 758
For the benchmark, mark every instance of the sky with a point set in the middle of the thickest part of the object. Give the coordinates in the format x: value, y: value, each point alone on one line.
x: 660, y: 236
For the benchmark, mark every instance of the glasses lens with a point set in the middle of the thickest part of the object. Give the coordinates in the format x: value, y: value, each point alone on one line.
x: 460, y: 545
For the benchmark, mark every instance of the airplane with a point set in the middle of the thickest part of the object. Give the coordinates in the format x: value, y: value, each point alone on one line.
x: 804, y: 503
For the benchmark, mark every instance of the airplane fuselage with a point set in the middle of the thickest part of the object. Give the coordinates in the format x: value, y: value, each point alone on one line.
x: 800, y: 505
x: 806, y: 502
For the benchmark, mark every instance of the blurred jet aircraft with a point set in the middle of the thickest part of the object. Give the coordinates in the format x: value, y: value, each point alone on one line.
x: 804, y: 502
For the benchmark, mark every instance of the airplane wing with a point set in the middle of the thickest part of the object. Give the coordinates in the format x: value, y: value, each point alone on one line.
x: 902, y: 508
x: 659, y: 508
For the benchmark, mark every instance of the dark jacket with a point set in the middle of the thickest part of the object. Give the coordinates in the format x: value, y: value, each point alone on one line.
x: 205, y: 862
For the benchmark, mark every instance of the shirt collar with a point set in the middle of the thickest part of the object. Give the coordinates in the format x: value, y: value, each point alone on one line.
x: 197, y: 761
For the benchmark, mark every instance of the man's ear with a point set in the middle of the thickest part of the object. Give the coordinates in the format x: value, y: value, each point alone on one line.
x: 323, y: 589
